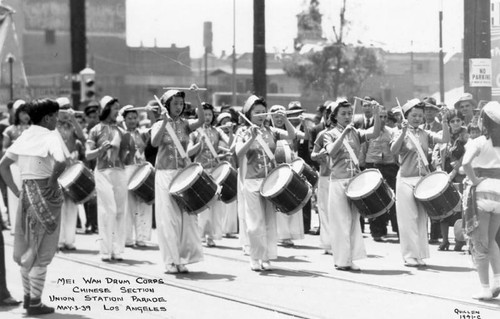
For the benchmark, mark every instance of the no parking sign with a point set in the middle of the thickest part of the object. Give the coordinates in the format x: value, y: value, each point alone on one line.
x: 480, y: 72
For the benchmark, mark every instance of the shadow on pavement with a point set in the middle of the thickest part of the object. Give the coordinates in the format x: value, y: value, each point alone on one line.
x: 155, y: 247
x: 79, y: 252
x: 292, y: 259
x: 130, y: 262
x: 386, y: 272
x: 278, y: 272
x: 202, y: 275
x: 448, y: 268
x: 295, y: 246
x: 56, y: 315
x: 222, y: 247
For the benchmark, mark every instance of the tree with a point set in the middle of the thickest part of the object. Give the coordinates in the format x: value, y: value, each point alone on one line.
x: 337, y: 69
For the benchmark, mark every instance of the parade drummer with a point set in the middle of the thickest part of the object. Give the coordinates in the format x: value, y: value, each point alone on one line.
x: 226, y: 153
x: 343, y: 143
x: 108, y: 143
x: 203, y: 145
x: 260, y: 216
x: 138, y: 219
x: 481, y: 163
x: 411, y: 216
x: 74, y: 139
x: 178, y: 235
x: 289, y: 227
x: 320, y: 155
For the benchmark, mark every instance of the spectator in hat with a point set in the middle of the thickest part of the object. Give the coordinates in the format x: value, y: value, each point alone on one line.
x: 466, y: 104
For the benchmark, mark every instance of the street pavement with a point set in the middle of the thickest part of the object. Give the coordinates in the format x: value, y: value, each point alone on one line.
x: 304, y: 284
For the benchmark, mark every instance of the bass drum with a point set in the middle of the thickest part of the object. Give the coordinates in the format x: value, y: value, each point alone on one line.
x: 286, y: 189
x: 142, y: 183
x: 226, y: 177
x: 437, y: 194
x: 370, y: 193
x: 193, y: 189
x: 304, y: 169
x: 78, y: 183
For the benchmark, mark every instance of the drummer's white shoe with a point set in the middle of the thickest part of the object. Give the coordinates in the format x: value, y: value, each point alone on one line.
x: 355, y: 267
x: 255, y: 265
x: 171, y: 269
x: 182, y: 269
x: 411, y: 262
x: 483, y: 295
x: 421, y: 262
x: 266, y: 265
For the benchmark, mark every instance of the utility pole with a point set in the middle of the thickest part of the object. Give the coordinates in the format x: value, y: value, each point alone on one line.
x: 78, y: 46
x: 207, y: 43
x: 259, y: 48
x: 441, y: 54
x: 477, y: 42
x: 234, y: 99
x: 10, y: 60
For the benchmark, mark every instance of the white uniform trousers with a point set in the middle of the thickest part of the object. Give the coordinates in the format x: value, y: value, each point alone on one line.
x: 111, y: 187
x: 244, y: 241
x: 12, y: 200
x: 210, y: 220
x: 346, y: 237
x: 290, y: 226
x: 230, y: 219
x: 412, y: 220
x: 260, y: 218
x: 325, y: 237
x: 178, y: 235
x: 138, y: 220
x: 69, y: 213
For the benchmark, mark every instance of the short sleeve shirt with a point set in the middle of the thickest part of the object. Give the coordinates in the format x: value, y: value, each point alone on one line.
x: 341, y: 164
x: 168, y: 156
x: 106, y: 132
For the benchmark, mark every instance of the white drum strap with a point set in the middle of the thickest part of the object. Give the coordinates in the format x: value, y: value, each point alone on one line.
x: 63, y: 145
x: 420, y: 151
x: 265, y: 147
x: 348, y: 147
x: 176, y: 141
x: 209, y: 143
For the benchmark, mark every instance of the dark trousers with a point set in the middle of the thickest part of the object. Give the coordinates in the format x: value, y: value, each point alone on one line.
x: 91, y: 213
x: 378, y: 225
x: 4, y: 292
x: 306, y: 216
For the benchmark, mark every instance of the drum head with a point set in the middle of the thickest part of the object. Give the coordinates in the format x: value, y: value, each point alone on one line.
x: 276, y: 180
x: 185, y: 177
x: 431, y: 185
x: 221, y: 171
x: 139, y: 176
x: 298, y: 165
x: 364, y: 183
x: 70, y: 174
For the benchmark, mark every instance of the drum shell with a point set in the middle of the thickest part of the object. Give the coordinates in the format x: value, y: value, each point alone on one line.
x: 308, y: 172
x: 145, y: 190
x: 374, y: 203
x: 283, y: 152
x: 82, y: 188
x: 441, y: 205
x: 229, y: 184
x: 291, y: 198
x: 198, y: 194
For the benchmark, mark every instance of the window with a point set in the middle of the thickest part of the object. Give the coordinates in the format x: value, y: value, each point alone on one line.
x: 50, y: 36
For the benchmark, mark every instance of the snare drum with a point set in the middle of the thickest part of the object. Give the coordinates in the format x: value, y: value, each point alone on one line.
x: 302, y: 168
x: 226, y: 177
x: 142, y: 183
x: 77, y: 181
x: 286, y: 189
x: 370, y: 193
x: 438, y: 194
x: 193, y: 189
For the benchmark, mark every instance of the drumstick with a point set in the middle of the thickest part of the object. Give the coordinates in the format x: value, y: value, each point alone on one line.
x: 246, y: 119
x: 161, y: 105
x: 286, y: 112
x: 363, y: 100
x: 185, y: 89
x: 399, y: 105
x: 71, y: 111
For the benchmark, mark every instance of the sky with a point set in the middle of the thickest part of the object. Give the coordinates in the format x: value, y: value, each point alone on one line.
x: 390, y: 24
